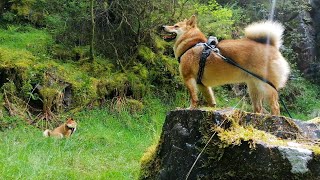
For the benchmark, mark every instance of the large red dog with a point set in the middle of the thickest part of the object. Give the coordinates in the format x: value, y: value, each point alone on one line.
x: 257, y: 52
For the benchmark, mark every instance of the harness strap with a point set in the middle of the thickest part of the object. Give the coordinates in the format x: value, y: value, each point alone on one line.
x: 205, y: 53
x: 208, y: 47
x: 72, y: 130
x: 179, y: 58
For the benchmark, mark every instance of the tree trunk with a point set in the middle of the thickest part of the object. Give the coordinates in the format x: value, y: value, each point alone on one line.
x: 92, y: 32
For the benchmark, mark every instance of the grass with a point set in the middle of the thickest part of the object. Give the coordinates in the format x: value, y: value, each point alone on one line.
x: 25, y: 38
x: 105, y: 146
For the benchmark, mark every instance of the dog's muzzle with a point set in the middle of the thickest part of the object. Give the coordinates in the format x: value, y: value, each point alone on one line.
x: 167, y: 36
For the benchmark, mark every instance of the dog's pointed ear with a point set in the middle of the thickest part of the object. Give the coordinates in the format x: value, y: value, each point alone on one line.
x: 192, y: 21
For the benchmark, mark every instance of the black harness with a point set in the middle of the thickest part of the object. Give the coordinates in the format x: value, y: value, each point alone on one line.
x: 211, y: 46
x: 72, y: 130
x: 207, y: 48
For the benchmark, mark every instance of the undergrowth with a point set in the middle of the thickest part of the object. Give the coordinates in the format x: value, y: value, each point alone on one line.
x: 47, y: 85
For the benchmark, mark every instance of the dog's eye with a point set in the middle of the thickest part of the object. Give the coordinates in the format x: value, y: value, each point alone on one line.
x: 176, y: 26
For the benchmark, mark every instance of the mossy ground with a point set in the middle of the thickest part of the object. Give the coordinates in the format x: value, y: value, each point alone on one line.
x: 39, y: 77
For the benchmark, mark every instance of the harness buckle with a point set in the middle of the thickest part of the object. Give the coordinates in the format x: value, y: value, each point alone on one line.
x: 212, y: 41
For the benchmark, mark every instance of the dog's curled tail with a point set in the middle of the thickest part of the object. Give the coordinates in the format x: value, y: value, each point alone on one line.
x: 267, y: 32
x: 46, y: 133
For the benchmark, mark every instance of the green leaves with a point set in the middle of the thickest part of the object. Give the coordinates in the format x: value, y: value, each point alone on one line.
x: 215, y: 19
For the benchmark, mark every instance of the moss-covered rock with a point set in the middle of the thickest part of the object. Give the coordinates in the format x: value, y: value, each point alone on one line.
x: 231, y: 144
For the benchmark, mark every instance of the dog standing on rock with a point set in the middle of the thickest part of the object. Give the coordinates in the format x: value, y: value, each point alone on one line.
x: 257, y: 52
x: 64, y: 130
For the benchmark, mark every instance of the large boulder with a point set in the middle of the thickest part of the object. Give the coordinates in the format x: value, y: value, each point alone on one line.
x: 313, y: 73
x: 315, y: 15
x: 312, y: 70
x: 232, y: 144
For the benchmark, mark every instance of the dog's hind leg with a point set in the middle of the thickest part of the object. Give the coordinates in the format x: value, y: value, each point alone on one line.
x: 192, y: 88
x: 208, y: 95
x: 272, y: 99
x: 256, y: 96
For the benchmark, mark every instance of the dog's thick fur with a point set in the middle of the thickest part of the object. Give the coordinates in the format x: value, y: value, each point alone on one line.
x: 257, y: 52
x: 64, y: 130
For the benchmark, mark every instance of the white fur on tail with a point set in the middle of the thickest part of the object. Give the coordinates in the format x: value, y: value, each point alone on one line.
x: 266, y: 29
x: 46, y: 133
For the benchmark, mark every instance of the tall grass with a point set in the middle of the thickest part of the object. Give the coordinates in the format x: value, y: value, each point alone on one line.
x: 107, y: 145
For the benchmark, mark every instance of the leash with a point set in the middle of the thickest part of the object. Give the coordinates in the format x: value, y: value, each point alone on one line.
x: 213, y: 48
x: 203, y: 149
x: 230, y: 61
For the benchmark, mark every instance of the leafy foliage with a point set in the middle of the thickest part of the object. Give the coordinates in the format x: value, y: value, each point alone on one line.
x: 215, y: 19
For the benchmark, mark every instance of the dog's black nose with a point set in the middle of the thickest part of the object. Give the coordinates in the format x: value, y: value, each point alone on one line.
x: 163, y: 26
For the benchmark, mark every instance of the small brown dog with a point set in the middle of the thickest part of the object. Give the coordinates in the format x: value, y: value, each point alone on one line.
x: 64, y: 130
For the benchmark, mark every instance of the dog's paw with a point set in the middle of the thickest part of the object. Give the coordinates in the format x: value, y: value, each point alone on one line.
x: 191, y: 108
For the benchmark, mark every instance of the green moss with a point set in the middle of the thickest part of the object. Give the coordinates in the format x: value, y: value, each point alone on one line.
x: 100, y: 68
x: 146, y: 54
x: 148, y: 155
x: 150, y: 164
x: 135, y: 106
x: 13, y: 58
x: 315, y: 120
x: 60, y: 52
x: 236, y: 134
x: 160, y: 44
x: 9, y: 87
x: 80, y: 52
x: 48, y: 96
x: 52, y: 76
x: 171, y: 64
x: 315, y: 149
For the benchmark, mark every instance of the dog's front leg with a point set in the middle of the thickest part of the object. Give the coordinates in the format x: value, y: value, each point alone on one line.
x: 192, y: 88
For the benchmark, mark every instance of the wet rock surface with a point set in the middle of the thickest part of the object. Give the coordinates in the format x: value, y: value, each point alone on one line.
x: 186, y: 132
